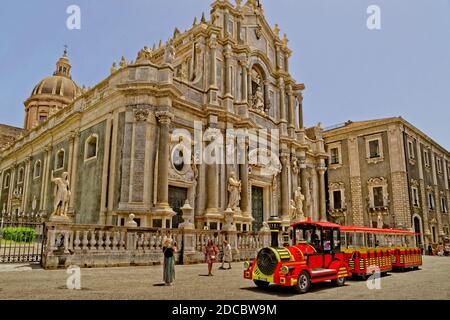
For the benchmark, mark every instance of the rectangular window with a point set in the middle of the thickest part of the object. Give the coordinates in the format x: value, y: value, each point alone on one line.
x: 415, y: 196
x: 378, y: 197
x: 444, y: 205
x: 439, y: 165
x: 334, y: 154
x: 374, y: 149
x: 337, y: 199
x: 431, y: 203
x: 426, y: 157
x: 411, y: 150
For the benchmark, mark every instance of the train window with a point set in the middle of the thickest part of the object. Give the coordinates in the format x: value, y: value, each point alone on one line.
x: 336, y: 240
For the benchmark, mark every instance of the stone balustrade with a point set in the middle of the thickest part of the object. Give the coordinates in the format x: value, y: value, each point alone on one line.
x: 105, y: 246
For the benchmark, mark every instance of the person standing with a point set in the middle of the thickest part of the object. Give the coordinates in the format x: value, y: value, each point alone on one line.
x: 227, y: 255
x: 169, y: 250
x: 210, y: 252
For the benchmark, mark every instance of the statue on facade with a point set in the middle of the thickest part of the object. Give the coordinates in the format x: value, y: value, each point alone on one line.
x: 62, y: 195
x: 234, y: 189
x: 299, y: 198
x: 169, y: 54
x: 295, y: 165
x: 380, y: 222
x: 258, y: 100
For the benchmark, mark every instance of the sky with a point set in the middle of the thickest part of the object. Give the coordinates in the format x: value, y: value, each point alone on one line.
x: 350, y: 72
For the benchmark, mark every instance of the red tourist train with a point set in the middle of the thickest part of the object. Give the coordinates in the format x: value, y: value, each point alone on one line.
x: 324, y: 251
x: 316, y: 256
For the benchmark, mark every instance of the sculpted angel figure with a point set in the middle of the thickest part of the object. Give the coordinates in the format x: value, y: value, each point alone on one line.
x: 62, y: 195
x: 299, y: 198
x: 234, y: 189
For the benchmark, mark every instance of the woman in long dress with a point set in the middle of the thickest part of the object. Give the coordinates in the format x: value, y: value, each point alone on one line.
x: 169, y: 251
x: 211, y: 252
x: 227, y: 255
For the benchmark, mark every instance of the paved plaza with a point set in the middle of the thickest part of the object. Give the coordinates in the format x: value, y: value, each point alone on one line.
x: 28, y: 282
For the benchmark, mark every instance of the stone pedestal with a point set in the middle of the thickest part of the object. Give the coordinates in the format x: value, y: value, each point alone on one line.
x: 60, y: 219
x: 188, y: 217
x: 229, y: 220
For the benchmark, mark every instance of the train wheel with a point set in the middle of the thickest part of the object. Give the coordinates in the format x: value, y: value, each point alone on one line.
x: 339, y: 282
x: 261, y: 284
x: 303, y: 283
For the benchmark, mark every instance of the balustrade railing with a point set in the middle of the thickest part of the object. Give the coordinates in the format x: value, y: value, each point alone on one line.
x: 91, y: 242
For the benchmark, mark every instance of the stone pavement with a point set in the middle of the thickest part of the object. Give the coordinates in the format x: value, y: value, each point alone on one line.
x: 29, y: 282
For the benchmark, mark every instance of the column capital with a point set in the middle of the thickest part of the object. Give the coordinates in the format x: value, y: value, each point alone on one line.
x: 164, y: 117
x: 48, y: 148
x: 321, y: 170
x: 28, y: 160
x: 74, y: 134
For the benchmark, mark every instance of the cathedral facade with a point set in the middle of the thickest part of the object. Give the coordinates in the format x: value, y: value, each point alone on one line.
x: 123, y: 147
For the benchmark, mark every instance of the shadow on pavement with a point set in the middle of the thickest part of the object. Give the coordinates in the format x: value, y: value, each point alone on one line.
x: 289, y: 292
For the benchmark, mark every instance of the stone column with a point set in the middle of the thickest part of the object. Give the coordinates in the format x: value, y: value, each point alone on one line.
x: 291, y: 111
x: 304, y: 183
x: 112, y: 169
x: 227, y: 56
x: 212, y: 187
x: 45, y: 177
x: 243, y: 173
x: 266, y: 95
x: 436, y: 195
x: 74, y: 139
x: 249, y: 86
x: 11, y: 186
x: 301, y: 124
x: 285, y: 192
x: 244, y: 90
x: 282, y: 101
x: 213, y: 89
x: 322, y: 196
x: 164, y: 119
x: 1, y: 189
x: 26, y: 182
x: 105, y: 174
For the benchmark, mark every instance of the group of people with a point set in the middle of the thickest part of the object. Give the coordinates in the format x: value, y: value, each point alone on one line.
x: 211, y: 252
x: 441, y: 250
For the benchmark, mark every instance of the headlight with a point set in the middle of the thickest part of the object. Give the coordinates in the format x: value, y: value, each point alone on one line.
x: 284, y: 270
x: 246, y: 265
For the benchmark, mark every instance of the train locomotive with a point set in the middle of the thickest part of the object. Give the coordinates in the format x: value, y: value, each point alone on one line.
x: 316, y: 256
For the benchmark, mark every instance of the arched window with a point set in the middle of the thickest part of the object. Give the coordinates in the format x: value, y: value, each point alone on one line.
x: 6, y: 181
x: 37, y: 169
x: 59, y: 159
x: 20, y: 175
x: 91, y: 147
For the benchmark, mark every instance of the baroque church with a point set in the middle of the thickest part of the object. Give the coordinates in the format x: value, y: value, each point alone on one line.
x: 115, y: 149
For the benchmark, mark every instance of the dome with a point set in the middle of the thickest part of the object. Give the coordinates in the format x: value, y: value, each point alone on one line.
x: 57, y: 85
x: 51, y: 94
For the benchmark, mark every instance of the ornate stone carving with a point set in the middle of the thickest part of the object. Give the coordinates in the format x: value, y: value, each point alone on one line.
x: 297, y: 214
x: 295, y: 164
x: 141, y: 114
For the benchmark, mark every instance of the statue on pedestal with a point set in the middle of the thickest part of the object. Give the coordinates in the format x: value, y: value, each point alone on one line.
x: 234, y: 189
x: 258, y: 100
x: 62, y: 195
x: 169, y: 54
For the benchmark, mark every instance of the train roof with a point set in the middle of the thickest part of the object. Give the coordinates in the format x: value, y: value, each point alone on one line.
x: 375, y: 230
x: 318, y: 224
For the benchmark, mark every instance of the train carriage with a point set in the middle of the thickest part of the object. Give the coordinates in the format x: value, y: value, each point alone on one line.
x: 369, y: 249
